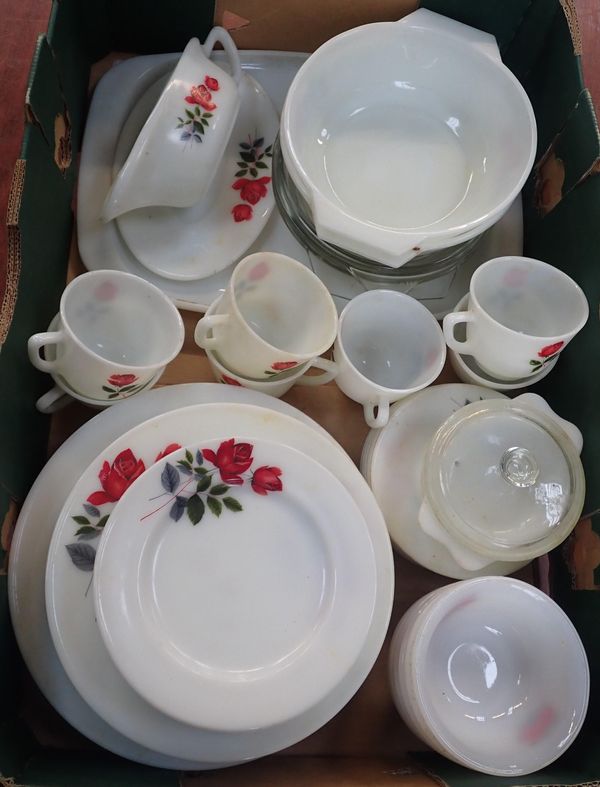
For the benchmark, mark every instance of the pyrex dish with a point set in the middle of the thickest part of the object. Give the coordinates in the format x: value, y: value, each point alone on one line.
x: 279, y: 579
x: 486, y: 683
x: 71, y: 611
x: 392, y: 462
x: 178, y: 150
x: 295, y: 212
x: 402, y: 137
x: 468, y: 371
x: 502, y: 479
x: 190, y: 243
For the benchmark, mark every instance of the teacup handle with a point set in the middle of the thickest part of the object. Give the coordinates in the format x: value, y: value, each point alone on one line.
x: 205, y: 326
x: 220, y: 35
x: 35, y: 344
x: 465, y: 557
x: 330, y: 370
x: 383, y: 413
x: 52, y: 401
x: 449, y: 323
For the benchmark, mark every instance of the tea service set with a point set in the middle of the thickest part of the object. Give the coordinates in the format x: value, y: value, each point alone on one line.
x: 217, y: 583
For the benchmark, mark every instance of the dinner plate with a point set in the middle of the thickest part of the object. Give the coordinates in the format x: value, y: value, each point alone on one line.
x: 101, y: 245
x: 197, y: 242
x: 70, y: 602
x: 235, y: 583
x: 29, y: 549
x: 392, y: 463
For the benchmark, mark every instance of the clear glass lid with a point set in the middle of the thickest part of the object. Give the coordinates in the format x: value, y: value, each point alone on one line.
x: 504, y: 477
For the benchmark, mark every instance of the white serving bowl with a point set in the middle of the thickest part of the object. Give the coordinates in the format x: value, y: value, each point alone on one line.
x: 403, y: 137
x: 491, y: 673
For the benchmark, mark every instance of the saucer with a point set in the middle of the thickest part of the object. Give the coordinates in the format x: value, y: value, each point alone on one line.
x: 193, y: 243
x: 468, y: 370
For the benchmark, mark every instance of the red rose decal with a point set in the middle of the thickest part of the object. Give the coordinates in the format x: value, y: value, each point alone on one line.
x: 241, y: 213
x: 121, y: 380
x: 259, y: 271
x: 252, y: 191
x: 266, y: 479
x: 200, y: 94
x: 281, y: 366
x: 211, y: 83
x: 230, y: 381
x: 117, y: 478
x: 168, y: 450
x: 232, y: 459
x: 551, y: 349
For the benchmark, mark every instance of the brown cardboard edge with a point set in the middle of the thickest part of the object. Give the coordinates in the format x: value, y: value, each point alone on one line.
x: 13, y: 256
x: 570, y: 12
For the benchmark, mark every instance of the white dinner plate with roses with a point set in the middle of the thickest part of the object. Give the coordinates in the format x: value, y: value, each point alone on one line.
x: 72, y: 553
x: 235, y: 584
x: 194, y: 243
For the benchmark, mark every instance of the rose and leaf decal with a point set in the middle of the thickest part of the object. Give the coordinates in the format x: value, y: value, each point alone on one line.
x: 192, y: 485
x: 120, y: 386
x: 545, y: 355
x: 201, y: 109
x: 254, y: 159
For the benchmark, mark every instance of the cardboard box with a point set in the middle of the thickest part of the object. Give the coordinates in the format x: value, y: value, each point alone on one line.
x: 366, y: 744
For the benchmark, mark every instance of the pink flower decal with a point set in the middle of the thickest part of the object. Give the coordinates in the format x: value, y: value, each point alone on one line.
x: 232, y: 459
x: 241, y: 213
x: 259, y: 271
x: 551, y: 349
x: 266, y: 479
x: 281, y: 366
x: 230, y: 381
x: 252, y: 191
x: 201, y: 95
x: 121, y: 380
x: 211, y: 83
x: 115, y: 479
x: 168, y: 450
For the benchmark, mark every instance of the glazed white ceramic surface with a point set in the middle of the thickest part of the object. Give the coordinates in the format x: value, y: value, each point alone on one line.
x: 388, y: 346
x: 278, y: 383
x: 196, y: 242
x: 401, y: 135
x: 468, y: 371
x: 72, y: 620
x: 101, y: 245
x: 477, y: 664
x: 235, y: 602
x: 178, y: 149
x: 521, y: 313
x: 115, y: 334
x: 275, y: 314
x: 392, y: 462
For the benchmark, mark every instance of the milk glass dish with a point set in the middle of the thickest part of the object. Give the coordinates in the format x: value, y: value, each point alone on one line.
x: 491, y: 673
x: 388, y: 346
x: 114, y: 335
x: 178, y: 151
x: 521, y: 314
x: 372, y: 109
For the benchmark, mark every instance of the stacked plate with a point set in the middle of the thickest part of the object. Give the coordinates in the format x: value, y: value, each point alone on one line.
x: 218, y: 581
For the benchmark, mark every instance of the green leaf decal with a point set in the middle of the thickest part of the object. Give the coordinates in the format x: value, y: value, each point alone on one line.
x: 219, y: 489
x: 262, y: 165
x: 197, y: 110
x: 82, y: 520
x: 189, y: 457
x: 86, y: 530
x: 214, y: 505
x: 189, y: 114
x: 232, y: 504
x: 203, y: 484
x: 239, y: 173
x: 107, y: 389
x: 195, y: 509
x: 102, y: 522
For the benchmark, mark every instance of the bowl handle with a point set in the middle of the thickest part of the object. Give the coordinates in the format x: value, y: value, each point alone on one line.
x: 429, y: 20
x: 536, y: 402
x: 221, y: 36
x: 465, y: 557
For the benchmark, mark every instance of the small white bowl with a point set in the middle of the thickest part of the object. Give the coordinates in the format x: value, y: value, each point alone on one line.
x: 402, y: 135
x: 492, y: 674
x: 467, y: 369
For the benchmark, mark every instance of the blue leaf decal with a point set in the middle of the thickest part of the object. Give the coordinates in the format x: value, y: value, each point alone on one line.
x: 91, y: 510
x: 169, y: 478
x: 199, y: 457
x: 178, y: 508
x: 82, y: 555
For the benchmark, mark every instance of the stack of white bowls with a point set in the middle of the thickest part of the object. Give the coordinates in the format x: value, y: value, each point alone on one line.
x: 407, y: 137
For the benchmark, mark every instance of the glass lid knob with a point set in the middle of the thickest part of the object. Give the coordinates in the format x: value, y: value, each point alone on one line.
x: 519, y: 467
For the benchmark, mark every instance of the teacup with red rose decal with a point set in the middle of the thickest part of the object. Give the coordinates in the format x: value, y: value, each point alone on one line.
x: 275, y: 315
x: 521, y: 314
x: 178, y: 151
x: 113, y: 337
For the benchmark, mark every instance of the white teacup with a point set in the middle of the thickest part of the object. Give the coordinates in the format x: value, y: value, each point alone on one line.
x: 274, y: 315
x: 179, y: 149
x: 522, y: 312
x: 388, y: 346
x: 115, y: 334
